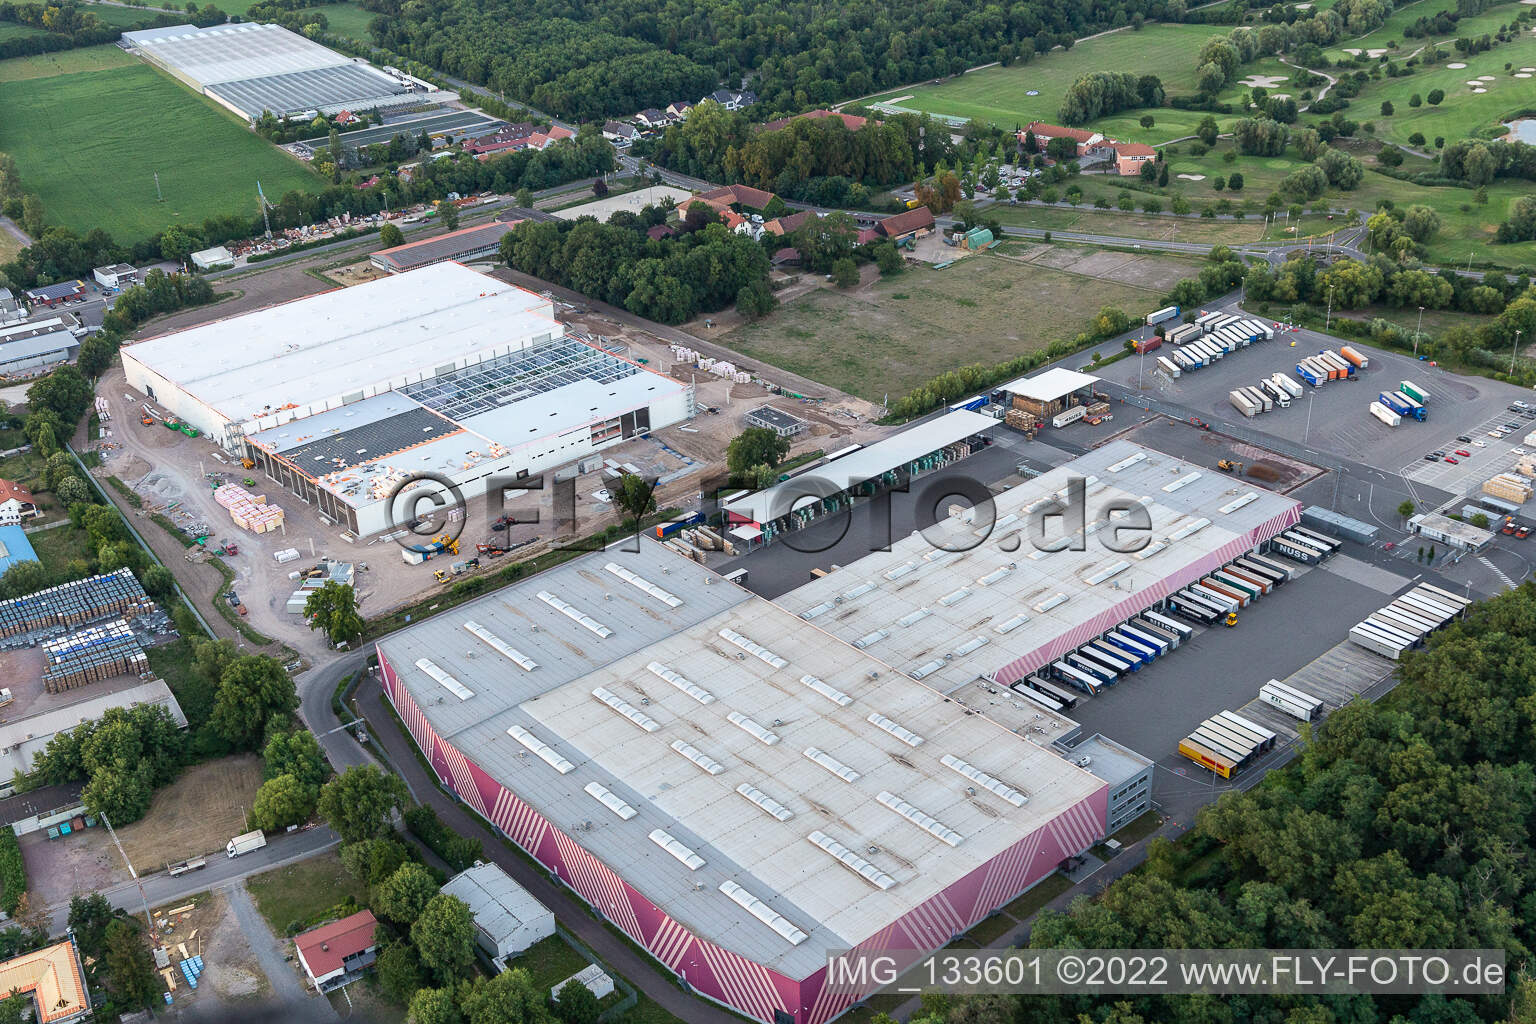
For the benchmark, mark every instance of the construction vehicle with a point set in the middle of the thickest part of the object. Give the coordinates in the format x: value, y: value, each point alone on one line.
x: 229, y: 548
x: 1229, y: 466
x: 490, y: 550
x: 439, y: 575
x: 1230, y: 620
x: 193, y: 864
x: 502, y: 523
x: 247, y: 464
x: 6, y: 696
x: 147, y: 420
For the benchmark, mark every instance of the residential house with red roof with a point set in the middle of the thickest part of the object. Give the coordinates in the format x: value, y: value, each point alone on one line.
x: 332, y: 952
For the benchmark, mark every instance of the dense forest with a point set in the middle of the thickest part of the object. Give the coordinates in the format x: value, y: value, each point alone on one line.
x: 1403, y: 824
x: 584, y: 60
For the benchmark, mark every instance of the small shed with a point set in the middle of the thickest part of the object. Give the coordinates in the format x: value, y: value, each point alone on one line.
x: 978, y: 238
x: 118, y: 275
x: 508, y: 919
x: 207, y: 259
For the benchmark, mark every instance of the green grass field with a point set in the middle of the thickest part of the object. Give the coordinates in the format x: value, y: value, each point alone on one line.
x: 348, y: 20
x: 11, y: 30
x: 90, y: 142
x: 902, y: 331
x: 122, y: 17
x: 1463, y: 112
x: 1001, y: 95
x: 1391, y: 30
x: 302, y: 891
x: 64, y: 62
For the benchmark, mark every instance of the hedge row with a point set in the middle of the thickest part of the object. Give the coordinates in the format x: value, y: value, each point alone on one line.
x: 13, y: 872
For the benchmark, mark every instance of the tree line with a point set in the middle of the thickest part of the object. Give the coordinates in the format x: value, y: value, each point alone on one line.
x: 582, y: 62
x: 1404, y: 824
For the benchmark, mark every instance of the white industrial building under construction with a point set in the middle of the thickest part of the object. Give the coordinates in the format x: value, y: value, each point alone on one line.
x: 345, y: 397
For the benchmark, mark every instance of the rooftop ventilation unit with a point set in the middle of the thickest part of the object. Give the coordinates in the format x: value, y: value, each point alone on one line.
x: 871, y: 874
x: 1237, y: 503
x: 926, y: 822
x: 603, y: 795
x: 626, y: 709
x: 572, y: 612
x: 925, y: 670
x: 827, y: 690
x: 1009, y: 625
x: 689, y: 859
x: 1127, y: 463
x: 1189, y: 529
x: 764, y: 913
x: 752, y: 729
x: 682, y: 682
x: 544, y: 751
x: 902, y: 733
x: 971, y: 646
x: 820, y: 609
x: 766, y: 802
x: 698, y: 757
x: 1054, y: 601
x: 636, y: 580
x: 869, y: 639
x: 1108, y: 572
x: 758, y: 651
x: 447, y: 681
x: 499, y: 645
x: 832, y: 764
x: 1183, y: 481
x: 984, y: 780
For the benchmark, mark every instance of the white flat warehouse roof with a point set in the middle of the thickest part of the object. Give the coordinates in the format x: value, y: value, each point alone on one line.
x: 232, y: 53
x: 1057, y: 382
x: 963, y: 600
x: 670, y: 709
x: 318, y: 348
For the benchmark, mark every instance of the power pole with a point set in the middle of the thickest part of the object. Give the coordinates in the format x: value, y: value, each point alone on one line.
x: 148, y: 920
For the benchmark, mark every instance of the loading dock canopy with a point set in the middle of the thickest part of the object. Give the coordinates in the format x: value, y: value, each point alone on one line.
x: 1051, y: 385
x: 866, y: 463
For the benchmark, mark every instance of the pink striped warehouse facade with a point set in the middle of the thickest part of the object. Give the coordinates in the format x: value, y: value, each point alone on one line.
x: 1080, y: 634
x: 715, y: 972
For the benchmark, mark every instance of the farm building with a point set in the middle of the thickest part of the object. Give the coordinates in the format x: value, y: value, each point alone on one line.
x: 332, y: 952
x: 53, y: 294
x: 252, y: 69
x: 52, y: 979
x: 1046, y: 394
x: 920, y: 613
x: 473, y: 378
x: 34, y: 346
x: 759, y: 791
x: 463, y: 245
x: 507, y: 917
x: 118, y: 275
x: 14, y: 545
x: 912, y: 224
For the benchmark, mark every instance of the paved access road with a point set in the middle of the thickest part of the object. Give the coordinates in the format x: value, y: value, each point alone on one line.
x: 161, y: 889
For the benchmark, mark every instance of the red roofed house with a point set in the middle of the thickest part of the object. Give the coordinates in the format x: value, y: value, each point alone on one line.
x: 514, y: 137
x: 333, y: 951
x: 15, y: 503
x: 736, y: 195
x: 907, y: 225
x: 852, y: 122
x: 788, y: 223
x: 1129, y: 156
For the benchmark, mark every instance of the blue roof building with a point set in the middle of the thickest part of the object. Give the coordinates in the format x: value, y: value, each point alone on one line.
x: 14, y: 547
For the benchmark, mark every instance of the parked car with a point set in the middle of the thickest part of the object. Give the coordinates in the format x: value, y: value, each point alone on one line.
x: 1463, y: 453
x: 1431, y: 457
x: 1453, y: 460
x: 1463, y: 438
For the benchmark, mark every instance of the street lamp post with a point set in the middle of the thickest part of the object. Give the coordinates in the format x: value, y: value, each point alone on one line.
x: 1514, y: 351
x: 1306, y: 432
x: 1416, y: 333
x: 1328, y: 319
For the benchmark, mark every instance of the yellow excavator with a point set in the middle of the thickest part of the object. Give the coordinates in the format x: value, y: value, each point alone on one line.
x: 1228, y: 466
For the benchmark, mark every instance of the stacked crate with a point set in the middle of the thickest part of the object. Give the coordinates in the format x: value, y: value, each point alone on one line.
x: 71, y: 604
x: 1509, y: 487
x: 249, y: 511
x: 91, y: 655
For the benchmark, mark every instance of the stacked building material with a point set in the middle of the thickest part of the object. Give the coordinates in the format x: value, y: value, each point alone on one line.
x: 91, y: 655
x: 71, y: 604
x: 249, y: 511
x: 1509, y: 487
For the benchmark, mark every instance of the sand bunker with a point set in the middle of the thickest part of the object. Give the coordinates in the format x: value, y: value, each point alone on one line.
x: 1485, y: 78
x: 1522, y: 74
x: 1191, y: 177
x: 1474, y: 83
x: 1456, y: 66
x: 1262, y: 81
x: 1479, y: 90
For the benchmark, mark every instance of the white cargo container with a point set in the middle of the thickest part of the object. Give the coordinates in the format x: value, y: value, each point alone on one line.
x: 1169, y: 366
x: 1384, y: 414
x: 1243, y: 404
x: 1290, y: 700
x: 1072, y: 415
x: 1285, y: 383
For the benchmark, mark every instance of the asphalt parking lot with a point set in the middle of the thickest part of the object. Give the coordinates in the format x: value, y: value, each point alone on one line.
x: 1336, y: 417
x: 1222, y: 668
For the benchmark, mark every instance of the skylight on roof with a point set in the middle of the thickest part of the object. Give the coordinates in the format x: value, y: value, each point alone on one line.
x: 757, y: 650
x: 902, y: 733
x: 500, y: 646
x: 832, y: 764
x: 636, y: 580
x: 766, y: 802
x: 827, y: 690
x: 926, y: 822
x: 985, y: 781
x: 666, y: 841
x: 576, y: 614
x: 605, y: 796
x: 626, y: 709
x: 871, y: 874
x: 763, y: 912
x: 545, y: 752
x: 682, y: 682
x: 445, y: 679
x: 698, y: 757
